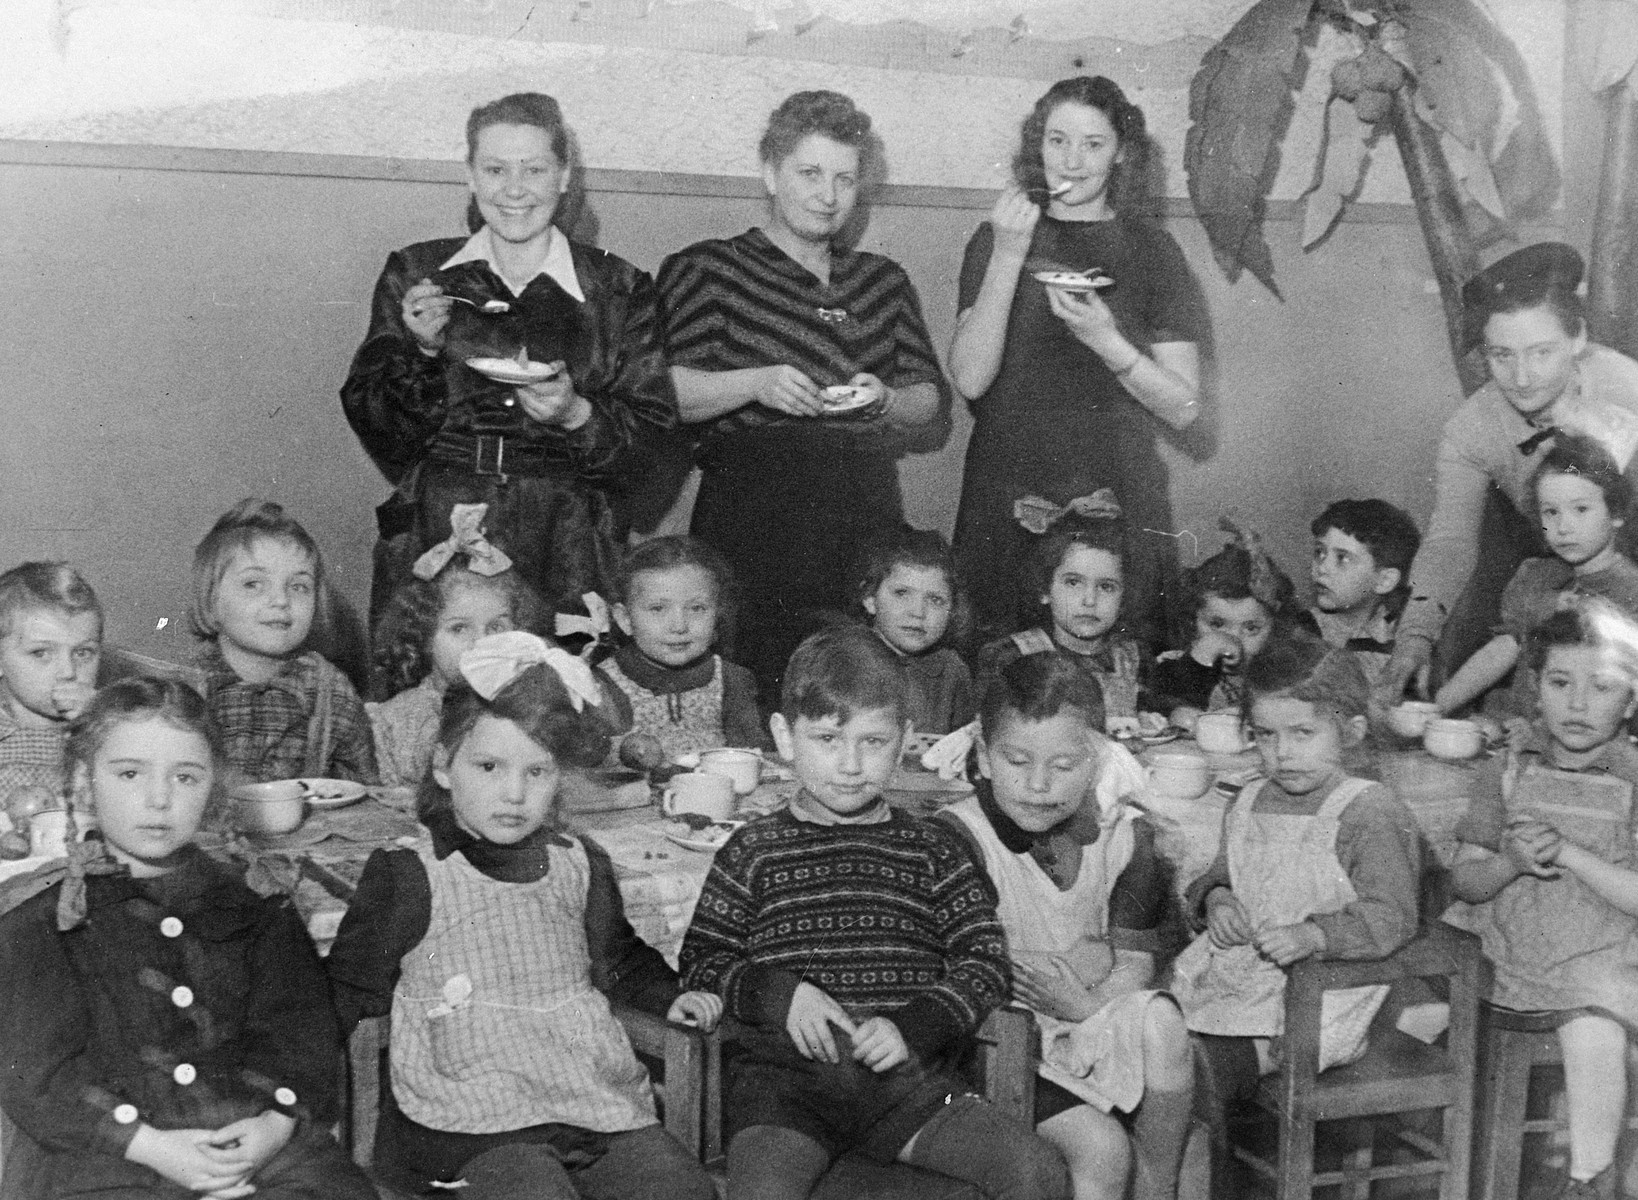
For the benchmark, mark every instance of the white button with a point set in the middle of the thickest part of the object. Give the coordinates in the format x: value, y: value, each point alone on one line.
x: 285, y: 1097
x: 126, y: 1114
x: 171, y: 927
x: 184, y: 1074
x: 508, y: 402
x: 182, y: 996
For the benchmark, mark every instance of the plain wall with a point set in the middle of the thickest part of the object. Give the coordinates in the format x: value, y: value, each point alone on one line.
x: 175, y: 341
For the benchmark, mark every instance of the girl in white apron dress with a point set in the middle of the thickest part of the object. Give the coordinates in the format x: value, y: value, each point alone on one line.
x: 1313, y: 862
x: 1054, y: 832
x: 1547, y: 876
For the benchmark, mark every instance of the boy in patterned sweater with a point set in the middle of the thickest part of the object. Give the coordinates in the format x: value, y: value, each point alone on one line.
x: 861, y: 946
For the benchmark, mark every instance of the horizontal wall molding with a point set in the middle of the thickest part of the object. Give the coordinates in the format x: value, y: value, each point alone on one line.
x: 208, y: 161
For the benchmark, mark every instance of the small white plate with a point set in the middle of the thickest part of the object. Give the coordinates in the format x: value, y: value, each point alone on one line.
x: 707, y: 841
x: 844, y: 399
x: 331, y: 793
x: 1074, y: 281
x: 510, y: 370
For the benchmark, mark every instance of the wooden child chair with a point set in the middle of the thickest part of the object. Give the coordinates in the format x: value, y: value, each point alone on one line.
x: 1398, y: 1075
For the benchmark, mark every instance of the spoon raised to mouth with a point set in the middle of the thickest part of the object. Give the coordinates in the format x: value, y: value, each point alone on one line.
x: 488, y: 306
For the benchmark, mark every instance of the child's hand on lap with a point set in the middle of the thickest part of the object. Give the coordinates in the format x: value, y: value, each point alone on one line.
x: 1049, y: 985
x: 1532, y: 847
x: 259, y: 1137
x: 192, y: 1158
x: 1227, y: 921
x: 812, y: 1014
x: 1287, y: 944
x: 879, y: 1045
x: 703, y: 1009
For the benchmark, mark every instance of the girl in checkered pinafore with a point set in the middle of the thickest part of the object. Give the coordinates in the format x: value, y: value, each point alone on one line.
x: 498, y: 949
x: 674, y: 600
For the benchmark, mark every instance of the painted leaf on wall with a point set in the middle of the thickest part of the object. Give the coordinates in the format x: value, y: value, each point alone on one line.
x: 1240, y: 105
x: 1344, y: 158
x: 1606, y: 41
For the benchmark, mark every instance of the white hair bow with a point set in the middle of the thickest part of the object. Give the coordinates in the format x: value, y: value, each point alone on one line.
x: 496, y: 660
x: 482, y: 558
x: 596, y: 625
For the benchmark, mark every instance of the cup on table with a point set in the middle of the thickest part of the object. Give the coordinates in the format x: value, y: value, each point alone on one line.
x: 1220, y: 733
x: 743, y: 767
x: 1179, y: 773
x: 48, y: 833
x: 270, y: 808
x: 702, y: 792
x: 1452, y: 740
x: 1410, y: 719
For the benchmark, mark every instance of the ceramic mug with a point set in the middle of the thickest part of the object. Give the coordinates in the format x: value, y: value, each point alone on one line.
x: 48, y: 833
x: 271, y: 808
x: 1179, y: 774
x: 744, y: 767
x: 1453, y: 740
x: 1220, y: 733
x: 701, y: 792
x: 1410, y: 719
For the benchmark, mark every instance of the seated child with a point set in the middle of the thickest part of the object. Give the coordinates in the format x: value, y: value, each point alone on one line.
x: 1363, y: 551
x: 498, y: 949
x: 1313, y: 862
x: 1549, y: 875
x: 167, y: 1031
x: 862, y: 975
x: 1581, y: 499
x: 675, y: 599
x: 1083, y: 898
x: 1077, y: 570
x: 283, y: 712
x: 908, y: 589
x: 50, y: 643
x: 1241, y: 597
x: 451, y: 601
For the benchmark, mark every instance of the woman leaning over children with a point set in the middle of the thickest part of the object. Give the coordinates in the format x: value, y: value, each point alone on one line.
x: 545, y: 456
x: 756, y: 327
x: 1067, y: 389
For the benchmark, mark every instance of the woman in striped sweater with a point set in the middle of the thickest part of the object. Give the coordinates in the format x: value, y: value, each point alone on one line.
x: 763, y: 330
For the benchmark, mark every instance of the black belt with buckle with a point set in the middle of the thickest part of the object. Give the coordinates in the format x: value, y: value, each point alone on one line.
x: 486, y: 454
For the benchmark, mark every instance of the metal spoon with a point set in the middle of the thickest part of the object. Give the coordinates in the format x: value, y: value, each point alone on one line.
x: 488, y: 306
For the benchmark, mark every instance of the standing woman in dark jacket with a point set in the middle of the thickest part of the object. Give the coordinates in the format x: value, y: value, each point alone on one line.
x: 542, y: 440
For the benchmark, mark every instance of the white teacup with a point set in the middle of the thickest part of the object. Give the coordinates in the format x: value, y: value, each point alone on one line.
x: 1220, y: 733
x: 1453, y: 740
x: 1410, y: 719
x: 271, y: 808
x: 702, y: 792
x: 1179, y: 773
x: 744, y: 767
x: 48, y: 833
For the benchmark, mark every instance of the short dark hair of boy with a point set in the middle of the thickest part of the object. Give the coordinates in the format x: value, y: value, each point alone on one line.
x: 237, y: 530
x: 1384, y: 529
x: 841, y: 672
x: 1299, y: 665
x: 54, y: 586
x: 1593, y: 621
x: 1037, y: 687
x: 537, y: 703
x: 681, y: 550
x: 903, y: 546
x: 1578, y: 454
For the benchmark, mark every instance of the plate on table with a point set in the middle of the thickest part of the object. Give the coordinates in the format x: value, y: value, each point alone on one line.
x: 708, y: 840
x: 844, y: 398
x: 511, y: 370
x: 331, y: 793
x: 1075, y: 281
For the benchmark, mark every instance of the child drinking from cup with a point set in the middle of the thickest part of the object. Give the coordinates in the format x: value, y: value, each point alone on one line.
x: 1241, y: 597
x: 1313, y: 861
x: 1077, y: 573
x: 860, y: 945
x: 167, y: 1030
x: 1547, y: 874
x: 674, y: 600
x: 461, y: 590
x: 911, y: 597
x: 1084, y: 900
x: 50, y: 644
x: 498, y: 949
x: 1582, y: 500
x: 284, y: 712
